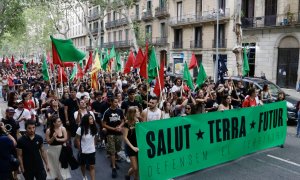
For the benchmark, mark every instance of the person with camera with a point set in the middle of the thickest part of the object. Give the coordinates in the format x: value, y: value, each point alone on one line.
x: 31, y: 154
x: 7, y: 160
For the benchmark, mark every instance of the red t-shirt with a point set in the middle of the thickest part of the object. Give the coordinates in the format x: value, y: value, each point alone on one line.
x: 29, y: 105
x: 249, y: 102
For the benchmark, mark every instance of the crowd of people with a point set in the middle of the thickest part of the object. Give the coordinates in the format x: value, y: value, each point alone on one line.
x: 75, y: 116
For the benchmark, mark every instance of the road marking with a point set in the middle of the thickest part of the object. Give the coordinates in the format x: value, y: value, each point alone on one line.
x: 284, y: 160
x: 277, y: 166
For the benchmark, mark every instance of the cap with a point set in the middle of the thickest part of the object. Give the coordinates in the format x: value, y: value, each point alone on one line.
x: 10, y: 110
x: 19, y: 101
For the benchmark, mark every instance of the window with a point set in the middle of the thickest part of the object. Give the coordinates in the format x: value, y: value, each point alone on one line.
x: 177, y: 38
x: 270, y: 12
x: 109, y: 36
x: 148, y: 32
x: 115, y: 36
x: 179, y: 10
x: 114, y: 15
x: 126, y: 34
x: 108, y: 17
x: 137, y: 11
x: 120, y: 35
x: 198, y: 8
x: 198, y: 37
x: 163, y: 32
x: 149, y: 4
x: 222, y: 4
x: 248, y: 8
x: 221, y: 36
x: 162, y: 3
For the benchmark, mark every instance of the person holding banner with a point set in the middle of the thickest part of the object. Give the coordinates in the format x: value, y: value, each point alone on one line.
x: 129, y: 136
x: 250, y: 99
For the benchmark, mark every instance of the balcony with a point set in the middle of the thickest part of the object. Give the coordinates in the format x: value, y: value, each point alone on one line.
x: 94, y: 16
x: 222, y: 43
x: 118, y: 44
x: 95, y: 31
x: 89, y: 48
x: 135, y: 18
x: 198, y: 19
x: 110, y: 24
x: 273, y: 21
x: 147, y: 16
x: 161, y: 12
x: 177, y: 45
x: 160, y: 41
x: 196, y: 44
x: 116, y: 23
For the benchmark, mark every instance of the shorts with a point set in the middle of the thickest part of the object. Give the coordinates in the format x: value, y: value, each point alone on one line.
x: 129, y: 151
x: 114, y: 143
x: 87, y: 159
x: 37, y: 174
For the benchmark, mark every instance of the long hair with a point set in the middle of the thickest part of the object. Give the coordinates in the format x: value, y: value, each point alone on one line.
x: 53, y: 120
x: 224, y: 98
x: 131, y: 112
x: 87, y: 126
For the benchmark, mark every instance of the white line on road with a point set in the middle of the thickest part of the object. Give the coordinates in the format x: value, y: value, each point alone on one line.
x: 284, y: 160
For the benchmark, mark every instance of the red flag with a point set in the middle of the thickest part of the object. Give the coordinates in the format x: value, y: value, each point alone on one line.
x: 129, y: 63
x: 55, y: 57
x: 32, y: 62
x: 68, y: 64
x: 139, y: 59
x: 159, y: 83
x: 62, y: 75
x: 50, y: 61
x: 12, y: 59
x: 143, y: 68
x: 193, y: 62
x: 89, y: 63
x: 7, y: 61
x: 79, y: 74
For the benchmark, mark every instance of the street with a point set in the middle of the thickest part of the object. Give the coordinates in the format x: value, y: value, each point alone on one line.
x: 275, y: 163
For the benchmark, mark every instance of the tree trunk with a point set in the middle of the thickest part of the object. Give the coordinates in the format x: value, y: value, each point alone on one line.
x: 133, y: 35
x: 237, y: 50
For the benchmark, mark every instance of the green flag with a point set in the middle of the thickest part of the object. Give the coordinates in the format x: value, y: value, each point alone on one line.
x: 67, y: 51
x: 118, y: 62
x: 201, y: 76
x: 81, y: 63
x: 112, y: 53
x: 24, y: 66
x: 246, y: 68
x: 105, y: 61
x: 74, y: 72
x: 153, y: 66
x: 45, y: 69
x: 187, y: 76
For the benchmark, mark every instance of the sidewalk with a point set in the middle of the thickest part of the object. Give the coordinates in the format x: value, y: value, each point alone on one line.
x: 293, y: 93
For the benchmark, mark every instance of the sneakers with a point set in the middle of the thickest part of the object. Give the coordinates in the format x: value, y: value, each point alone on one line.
x: 114, y: 173
x: 85, y: 178
x: 127, y: 159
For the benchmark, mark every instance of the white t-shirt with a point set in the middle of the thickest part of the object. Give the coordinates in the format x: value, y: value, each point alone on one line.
x: 87, y: 142
x: 80, y: 94
x: 76, y: 114
x: 153, y: 116
x: 175, y: 88
x: 26, y: 114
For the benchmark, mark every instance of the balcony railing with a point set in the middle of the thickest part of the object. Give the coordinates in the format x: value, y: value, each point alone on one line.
x: 196, y: 44
x: 177, y: 45
x: 207, y: 16
x: 135, y: 17
x: 95, y: 30
x: 118, y: 44
x: 271, y: 21
x: 161, y: 12
x: 222, y: 43
x: 94, y: 16
x: 121, y: 22
x: 147, y: 16
x: 116, y: 23
x: 160, y: 41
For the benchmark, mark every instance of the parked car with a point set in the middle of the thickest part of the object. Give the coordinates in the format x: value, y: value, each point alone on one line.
x: 273, y: 88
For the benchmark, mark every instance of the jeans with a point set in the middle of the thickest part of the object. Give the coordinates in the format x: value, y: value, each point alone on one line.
x: 298, y: 124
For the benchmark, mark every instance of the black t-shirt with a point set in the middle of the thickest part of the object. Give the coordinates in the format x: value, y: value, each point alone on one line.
x: 131, y: 136
x: 11, y: 126
x: 211, y: 103
x: 126, y: 104
x: 32, y: 159
x: 113, y: 118
x: 72, y: 107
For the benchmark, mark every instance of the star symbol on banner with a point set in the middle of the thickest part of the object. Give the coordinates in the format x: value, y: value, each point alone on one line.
x: 252, y: 124
x: 199, y: 134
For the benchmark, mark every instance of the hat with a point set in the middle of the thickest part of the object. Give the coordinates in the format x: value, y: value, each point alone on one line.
x: 10, y: 110
x: 19, y: 101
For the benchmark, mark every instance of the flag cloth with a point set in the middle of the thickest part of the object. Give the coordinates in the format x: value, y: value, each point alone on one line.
x: 68, y: 64
x: 201, y: 76
x: 80, y: 73
x: 246, y: 68
x: 66, y: 50
x: 187, y: 77
x: 112, y: 53
x: 50, y: 62
x: 129, y: 63
x: 193, y: 62
x: 24, y: 66
x: 96, y: 64
x: 45, y: 69
x: 105, y: 61
x: 118, y: 64
x: 90, y: 62
x: 7, y: 61
x: 138, y: 59
x: 94, y: 82
x: 12, y: 59
x: 143, y: 68
x: 153, y: 65
x: 62, y: 77
x: 160, y: 83
x: 74, y: 73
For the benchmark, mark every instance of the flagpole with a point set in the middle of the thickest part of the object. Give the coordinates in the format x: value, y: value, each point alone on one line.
x: 49, y: 79
x: 148, y: 84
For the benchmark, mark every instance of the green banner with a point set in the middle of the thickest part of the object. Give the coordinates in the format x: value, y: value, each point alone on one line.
x: 177, y: 146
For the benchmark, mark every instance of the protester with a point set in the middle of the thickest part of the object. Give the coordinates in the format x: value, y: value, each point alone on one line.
x: 152, y: 113
x: 250, y: 99
x: 226, y: 103
x: 11, y: 126
x: 21, y: 116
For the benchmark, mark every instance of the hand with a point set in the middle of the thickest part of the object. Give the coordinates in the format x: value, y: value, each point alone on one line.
x: 118, y: 129
x: 22, y: 169
x: 135, y: 149
x: 67, y: 122
x: 54, y: 135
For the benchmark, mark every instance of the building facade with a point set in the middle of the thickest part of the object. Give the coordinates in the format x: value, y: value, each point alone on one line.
x: 271, y: 31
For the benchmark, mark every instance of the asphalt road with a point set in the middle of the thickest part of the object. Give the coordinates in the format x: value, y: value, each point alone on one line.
x: 276, y: 164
